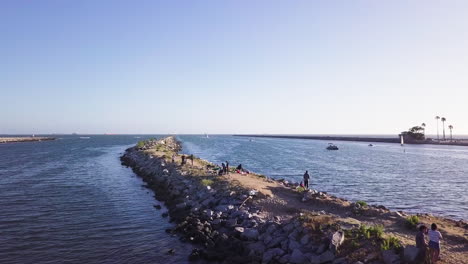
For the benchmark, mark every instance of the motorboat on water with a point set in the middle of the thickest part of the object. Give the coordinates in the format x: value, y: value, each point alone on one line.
x: 332, y: 146
x: 370, y: 145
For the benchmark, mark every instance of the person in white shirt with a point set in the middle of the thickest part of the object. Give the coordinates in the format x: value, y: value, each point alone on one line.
x: 434, y: 243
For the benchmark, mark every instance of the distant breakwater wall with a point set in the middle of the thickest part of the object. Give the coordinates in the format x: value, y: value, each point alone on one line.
x: 24, y: 139
x: 221, y: 218
x: 329, y: 138
x: 463, y: 142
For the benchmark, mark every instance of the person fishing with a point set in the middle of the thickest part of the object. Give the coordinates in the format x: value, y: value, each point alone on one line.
x: 306, y: 179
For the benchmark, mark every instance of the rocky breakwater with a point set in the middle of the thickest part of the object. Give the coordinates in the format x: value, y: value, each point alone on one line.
x: 24, y: 139
x: 250, y: 219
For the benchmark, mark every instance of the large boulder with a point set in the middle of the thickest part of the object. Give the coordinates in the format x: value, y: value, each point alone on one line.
x: 390, y: 257
x: 327, y: 256
x: 411, y: 254
x: 272, y: 253
x: 297, y: 257
x: 250, y: 234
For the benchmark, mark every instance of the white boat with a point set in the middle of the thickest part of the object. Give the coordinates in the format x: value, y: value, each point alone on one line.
x: 206, y: 136
x: 85, y: 137
x: 402, y: 141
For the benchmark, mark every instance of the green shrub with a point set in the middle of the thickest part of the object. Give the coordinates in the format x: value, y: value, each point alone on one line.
x: 391, y: 243
x: 361, y: 203
x: 140, y: 144
x: 371, y: 231
x: 412, y: 221
x: 207, y: 182
x: 300, y: 189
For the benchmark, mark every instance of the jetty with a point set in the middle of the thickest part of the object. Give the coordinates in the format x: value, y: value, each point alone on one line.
x: 249, y: 218
x: 24, y: 139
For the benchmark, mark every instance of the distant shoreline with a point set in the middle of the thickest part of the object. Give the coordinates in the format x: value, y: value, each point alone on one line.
x: 23, y: 139
x: 360, y: 139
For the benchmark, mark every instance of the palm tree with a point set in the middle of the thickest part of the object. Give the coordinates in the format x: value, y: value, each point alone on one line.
x: 423, y: 125
x: 451, y: 128
x: 437, y: 119
x: 443, y: 126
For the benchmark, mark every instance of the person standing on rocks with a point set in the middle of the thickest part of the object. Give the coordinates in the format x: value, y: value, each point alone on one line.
x: 421, y: 244
x: 183, y: 160
x: 434, y: 243
x: 227, y: 167
x: 306, y: 179
x: 224, y: 169
x: 191, y: 158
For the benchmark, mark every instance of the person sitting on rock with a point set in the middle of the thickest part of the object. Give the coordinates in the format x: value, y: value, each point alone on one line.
x: 434, y: 243
x: 421, y: 244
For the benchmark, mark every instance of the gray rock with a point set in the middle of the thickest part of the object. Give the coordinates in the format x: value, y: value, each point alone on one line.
x: 231, y: 222
x: 321, y: 248
x: 411, y: 253
x: 288, y: 228
x: 276, y: 241
x: 267, y: 239
x: 314, y: 259
x: 340, y: 261
x: 293, y: 244
x: 389, y: 257
x: 305, y: 240
x: 297, y: 256
x: 284, y: 245
x: 327, y: 256
x: 271, y: 253
x: 250, y: 234
x: 258, y: 248
x: 284, y: 259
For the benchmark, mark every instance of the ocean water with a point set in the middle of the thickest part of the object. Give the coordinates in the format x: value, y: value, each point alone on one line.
x: 71, y: 201
x: 414, y: 178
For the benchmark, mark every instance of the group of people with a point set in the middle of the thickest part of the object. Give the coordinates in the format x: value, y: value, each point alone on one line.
x: 225, y: 169
x: 428, y: 252
x: 184, y: 159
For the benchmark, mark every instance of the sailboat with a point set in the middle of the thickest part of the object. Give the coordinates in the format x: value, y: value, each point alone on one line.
x: 206, y: 136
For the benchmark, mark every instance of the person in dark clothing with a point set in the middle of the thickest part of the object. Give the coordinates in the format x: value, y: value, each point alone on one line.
x: 191, y: 158
x: 306, y: 179
x: 227, y: 167
x: 173, y: 158
x: 224, y: 168
x: 183, y: 160
x: 239, y: 167
x: 421, y: 244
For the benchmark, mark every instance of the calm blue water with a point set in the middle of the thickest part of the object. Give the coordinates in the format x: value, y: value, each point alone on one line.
x: 425, y: 178
x: 70, y: 201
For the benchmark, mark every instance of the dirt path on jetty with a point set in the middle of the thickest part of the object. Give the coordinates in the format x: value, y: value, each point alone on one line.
x: 261, y: 220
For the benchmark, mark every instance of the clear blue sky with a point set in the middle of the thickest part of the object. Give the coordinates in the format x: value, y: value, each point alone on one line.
x: 232, y: 66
